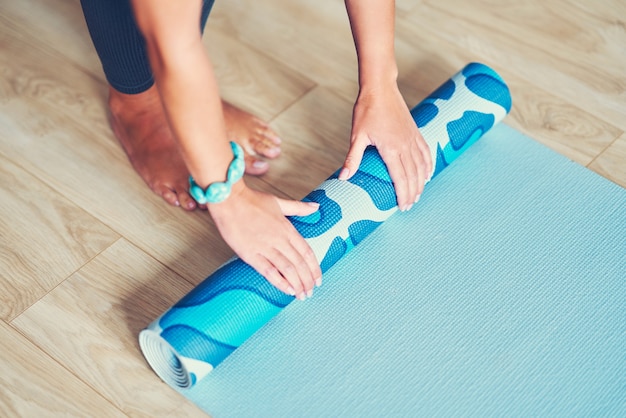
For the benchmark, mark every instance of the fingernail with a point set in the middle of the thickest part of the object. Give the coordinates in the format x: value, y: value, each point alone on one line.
x: 291, y: 291
x: 302, y: 296
x: 309, y: 293
x: 313, y: 204
x: 318, y: 282
x: 409, y: 207
x: 259, y: 164
x: 343, y: 175
x: 418, y: 198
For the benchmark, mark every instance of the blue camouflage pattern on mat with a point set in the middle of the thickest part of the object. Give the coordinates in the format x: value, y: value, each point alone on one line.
x: 222, y: 312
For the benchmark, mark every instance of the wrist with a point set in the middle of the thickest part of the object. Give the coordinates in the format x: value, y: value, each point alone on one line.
x: 374, y: 81
x: 237, y: 193
x: 377, y: 64
x: 217, y: 192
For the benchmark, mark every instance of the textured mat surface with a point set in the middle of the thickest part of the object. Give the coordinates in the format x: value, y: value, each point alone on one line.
x: 500, y: 294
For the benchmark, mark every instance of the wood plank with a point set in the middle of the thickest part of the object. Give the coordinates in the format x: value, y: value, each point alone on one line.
x: 60, y: 26
x: 565, y: 127
x: 316, y: 137
x: 90, y: 324
x: 311, y: 37
x: 45, y: 238
x: 251, y: 80
x: 34, y: 385
x: 406, y: 6
x: 612, y: 162
x: 577, y: 80
x: 560, y: 125
x: 588, y: 44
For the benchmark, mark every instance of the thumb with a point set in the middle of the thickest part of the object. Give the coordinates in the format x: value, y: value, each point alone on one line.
x: 296, y: 208
x: 353, y: 159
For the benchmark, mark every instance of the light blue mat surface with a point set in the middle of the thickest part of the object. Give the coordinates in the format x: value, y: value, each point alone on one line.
x: 502, y: 293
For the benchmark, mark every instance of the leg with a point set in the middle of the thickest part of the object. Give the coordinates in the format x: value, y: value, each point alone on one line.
x: 136, y: 112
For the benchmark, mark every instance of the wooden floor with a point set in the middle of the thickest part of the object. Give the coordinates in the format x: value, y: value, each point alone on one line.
x: 89, y: 256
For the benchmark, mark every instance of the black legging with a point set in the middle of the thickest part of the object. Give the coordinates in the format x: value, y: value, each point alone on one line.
x: 120, y: 45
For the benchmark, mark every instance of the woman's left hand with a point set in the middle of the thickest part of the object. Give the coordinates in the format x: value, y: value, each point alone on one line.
x: 382, y: 118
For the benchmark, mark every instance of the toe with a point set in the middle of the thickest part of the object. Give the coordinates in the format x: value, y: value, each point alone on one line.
x: 176, y: 196
x: 255, y: 166
x: 167, y: 194
x: 269, y: 135
x: 186, y: 201
x: 264, y: 145
x: 182, y: 191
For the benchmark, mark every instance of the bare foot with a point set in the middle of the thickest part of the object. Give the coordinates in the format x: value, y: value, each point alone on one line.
x: 140, y: 124
x: 255, y: 137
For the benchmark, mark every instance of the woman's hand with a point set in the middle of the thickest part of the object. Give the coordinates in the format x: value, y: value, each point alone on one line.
x: 253, y: 224
x: 381, y: 118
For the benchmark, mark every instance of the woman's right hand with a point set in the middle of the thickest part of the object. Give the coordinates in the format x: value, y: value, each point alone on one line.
x: 253, y: 224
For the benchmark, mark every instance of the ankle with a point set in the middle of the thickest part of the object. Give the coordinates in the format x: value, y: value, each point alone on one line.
x: 122, y: 103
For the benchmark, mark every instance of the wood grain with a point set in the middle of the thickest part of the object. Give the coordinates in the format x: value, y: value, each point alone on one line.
x: 91, y: 321
x: 252, y: 80
x: 316, y: 136
x: 45, y: 238
x: 319, y: 46
x: 575, y: 78
x: 562, y: 125
x: 34, y: 385
x: 60, y: 27
x: 89, y: 255
x: 612, y: 162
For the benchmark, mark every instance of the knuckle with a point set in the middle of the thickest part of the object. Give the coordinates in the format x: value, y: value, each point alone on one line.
x: 401, y: 181
x: 288, y: 269
x: 270, y: 272
x: 303, y: 266
x: 309, y: 253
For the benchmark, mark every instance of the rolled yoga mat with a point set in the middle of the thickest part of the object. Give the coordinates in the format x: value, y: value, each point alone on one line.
x: 196, y: 334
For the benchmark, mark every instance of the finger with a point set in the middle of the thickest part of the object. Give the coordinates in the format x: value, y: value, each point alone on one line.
x: 297, y: 258
x: 353, y: 159
x: 311, y: 260
x: 398, y: 176
x: 426, y: 155
x: 295, y: 208
x: 411, y: 161
x: 288, y: 270
x: 421, y: 172
x: 272, y: 275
